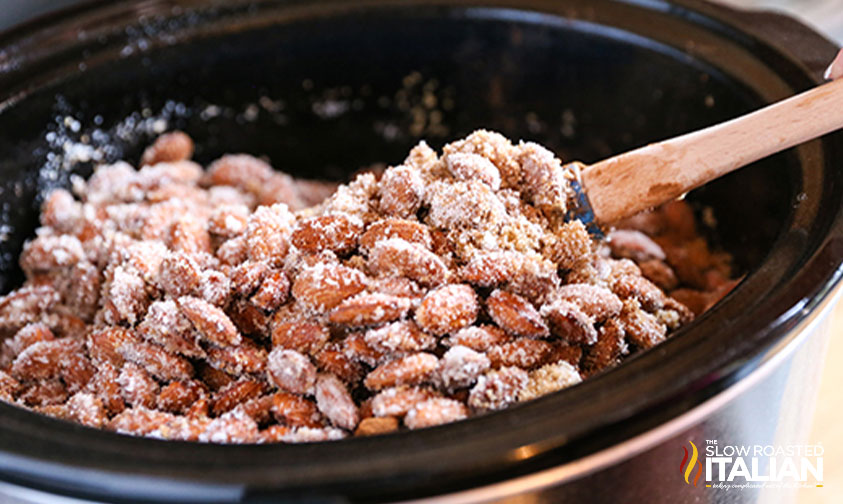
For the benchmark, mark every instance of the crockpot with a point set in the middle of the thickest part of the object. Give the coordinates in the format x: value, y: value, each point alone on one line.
x: 323, y: 88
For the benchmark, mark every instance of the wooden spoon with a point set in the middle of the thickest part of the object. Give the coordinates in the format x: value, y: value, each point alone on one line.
x: 626, y: 184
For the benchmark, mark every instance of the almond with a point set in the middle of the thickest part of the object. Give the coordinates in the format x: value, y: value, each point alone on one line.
x: 337, y: 233
x: 448, y: 309
x: 402, y: 258
x: 410, y: 231
x: 516, y: 315
x: 213, y: 324
x: 324, y: 286
x: 410, y: 370
x: 369, y: 309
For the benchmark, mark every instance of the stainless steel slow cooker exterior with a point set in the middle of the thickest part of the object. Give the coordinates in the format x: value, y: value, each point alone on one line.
x: 744, y: 374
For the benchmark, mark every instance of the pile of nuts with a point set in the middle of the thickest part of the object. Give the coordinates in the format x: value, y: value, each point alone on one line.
x: 239, y: 305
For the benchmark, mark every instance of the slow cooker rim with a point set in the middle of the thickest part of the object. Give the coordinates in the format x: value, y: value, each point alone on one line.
x: 780, y: 326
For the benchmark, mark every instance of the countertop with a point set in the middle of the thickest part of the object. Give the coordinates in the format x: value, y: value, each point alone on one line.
x: 827, y: 420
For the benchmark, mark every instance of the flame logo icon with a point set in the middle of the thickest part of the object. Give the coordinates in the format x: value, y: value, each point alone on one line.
x: 687, y: 470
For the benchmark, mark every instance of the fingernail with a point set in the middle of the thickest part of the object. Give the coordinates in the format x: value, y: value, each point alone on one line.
x: 835, y: 69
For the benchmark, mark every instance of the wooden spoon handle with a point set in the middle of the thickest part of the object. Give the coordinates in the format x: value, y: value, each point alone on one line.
x: 624, y: 185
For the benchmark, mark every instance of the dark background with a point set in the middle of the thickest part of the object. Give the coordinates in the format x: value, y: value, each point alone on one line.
x: 17, y: 11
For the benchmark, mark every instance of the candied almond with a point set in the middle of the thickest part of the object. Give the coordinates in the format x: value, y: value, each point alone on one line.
x: 402, y: 258
x: 247, y: 277
x: 660, y: 273
x: 460, y: 366
x: 178, y: 274
x: 236, y: 360
x: 239, y: 170
x: 248, y: 318
x: 597, y: 302
x: 397, y: 401
x: 324, y: 286
x: 528, y: 275
x: 549, y: 378
x: 610, y: 345
x: 61, y: 211
x: 233, y: 252
x: 212, y: 323
x: 407, y: 230
x: 104, y: 383
x: 272, y: 292
x: 52, y: 359
x: 436, y: 411
x: 464, y: 205
x: 396, y: 338
x: 356, y: 348
x: 497, y: 389
x: 156, y: 361
x: 229, y: 221
x: 526, y: 353
x: 410, y: 370
x: 178, y: 396
x: 641, y: 289
x: 26, y: 336
x: 169, y: 147
x: 568, y: 322
x: 448, y: 309
x: 26, y: 305
x: 334, y: 360
x: 137, y: 387
x: 642, y: 328
x: 291, y: 371
x: 214, y: 287
x: 494, y: 147
x: 43, y: 393
x: 334, y: 401
x: 231, y: 427
x: 295, y: 411
x: 139, y: 420
x: 369, y: 309
x: 227, y: 398
x: 126, y: 297
x: 376, y: 425
x: 401, y: 189
x: 479, y: 338
x: 544, y: 181
x: 267, y: 233
x: 50, y: 252
x: 87, y: 409
x: 165, y: 325
x: 468, y: 166
x: 635, y: 245
x: 336, y: 232
x: 300, y: 335
x: 188, y: 234
x: 516, y: 315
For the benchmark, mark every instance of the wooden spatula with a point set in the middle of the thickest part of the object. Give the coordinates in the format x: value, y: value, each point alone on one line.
x: 624, y: 185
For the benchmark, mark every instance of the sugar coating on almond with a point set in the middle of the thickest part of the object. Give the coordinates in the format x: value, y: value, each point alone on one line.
x: 548, y: 379
x: 448, y: 309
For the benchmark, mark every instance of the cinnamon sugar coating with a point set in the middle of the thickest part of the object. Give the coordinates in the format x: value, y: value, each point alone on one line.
x: 237, y: 304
